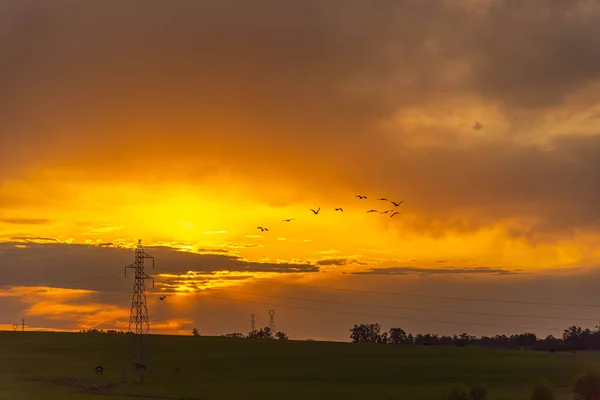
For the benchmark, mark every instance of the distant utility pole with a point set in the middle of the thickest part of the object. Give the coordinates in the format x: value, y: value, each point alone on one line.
x: 138, y: 316
x: 272, y: 321
x: 253, y: 323
x: 22, y: 325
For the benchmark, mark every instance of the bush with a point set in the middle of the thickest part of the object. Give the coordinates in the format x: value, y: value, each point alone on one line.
x: 542, y: 391
x: 478, y: 393
x: 456, y: 392
x: 587, y: 386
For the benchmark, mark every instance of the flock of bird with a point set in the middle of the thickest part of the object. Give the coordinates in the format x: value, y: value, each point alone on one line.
x: 340, y: 209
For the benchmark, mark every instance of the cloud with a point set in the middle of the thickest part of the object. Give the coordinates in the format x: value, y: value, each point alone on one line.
x: 32, y: 239
x: 437, y: 271
x: 337, y: 262
x: 101, y: 268
x: 25, y: 221
x: 224, y: 77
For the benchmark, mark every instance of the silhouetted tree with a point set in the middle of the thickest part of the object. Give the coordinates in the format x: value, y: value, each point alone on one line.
x: 574, y: 338
x: 542, y: 391
x: 456, y: 392
x: 195, y: 332
x: 233, y: 335
x: 281, y: 336
x: 264, y: 333
x: 587, y: 386
x: 398, y: 336
x: 365, y: 333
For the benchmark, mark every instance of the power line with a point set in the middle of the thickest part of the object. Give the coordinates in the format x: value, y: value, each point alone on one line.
x: 387, y: 316
x: 473, y: 299
x: 566, y: 318
x: 403, y: 294
x: 411, y: 308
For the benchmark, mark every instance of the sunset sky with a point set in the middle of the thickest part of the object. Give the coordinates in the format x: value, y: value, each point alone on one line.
x: 188, y: 124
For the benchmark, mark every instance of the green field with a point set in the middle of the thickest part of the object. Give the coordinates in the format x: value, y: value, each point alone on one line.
x: 61, y: 366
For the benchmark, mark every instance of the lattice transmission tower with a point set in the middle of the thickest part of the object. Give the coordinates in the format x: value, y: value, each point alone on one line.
x: 272, y: 321
x: 139, y: 321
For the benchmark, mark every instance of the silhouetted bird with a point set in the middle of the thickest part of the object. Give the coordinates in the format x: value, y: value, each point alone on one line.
x: 99, y: 369
x: 396, y: 213
x: 288, y: 220
x: 385, y: 212
x: 396, y: 204
x: 360, y: 197
x: 372, y: 211
x: 383, y: 198
x: 339, y: 209
x: 317, y: 211
x: 162, y: 297
x: 262, y: 229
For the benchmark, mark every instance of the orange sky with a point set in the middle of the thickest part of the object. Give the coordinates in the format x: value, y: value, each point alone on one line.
x: 190, y: 125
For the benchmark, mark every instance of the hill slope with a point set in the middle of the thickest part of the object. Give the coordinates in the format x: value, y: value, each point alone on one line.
x: 41, y: 365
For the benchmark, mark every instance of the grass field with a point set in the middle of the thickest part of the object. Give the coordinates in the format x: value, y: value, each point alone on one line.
x: 47, y: 366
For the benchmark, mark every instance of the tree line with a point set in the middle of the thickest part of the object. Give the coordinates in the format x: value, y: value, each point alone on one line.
x: 573, y: 338
x: 263, y: 333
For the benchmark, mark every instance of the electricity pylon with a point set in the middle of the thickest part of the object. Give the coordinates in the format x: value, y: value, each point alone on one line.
x: 138, y: 316
x: 272, y: 321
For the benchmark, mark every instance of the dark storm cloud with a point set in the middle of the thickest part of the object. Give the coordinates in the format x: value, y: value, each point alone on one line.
x: 102, y: 268
x: 275, y: 63
x: 437, y: 271
x: 100, y: 74
x: 558, y: 185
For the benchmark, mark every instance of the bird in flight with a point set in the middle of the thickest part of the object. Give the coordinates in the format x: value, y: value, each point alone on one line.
x: 396, y: 213
x: 339, y: 209
x: 372, y: 211
x: 288, y: 220
x: 316, y: 211
x: 383, y: 198
x: 396, y: 204
x: 360, y: 197
x: 262, y: 229
x: 162, y: 297
x: 385, y: 212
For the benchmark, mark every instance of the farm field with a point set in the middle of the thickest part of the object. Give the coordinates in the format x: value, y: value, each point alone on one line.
x: 44, y: 365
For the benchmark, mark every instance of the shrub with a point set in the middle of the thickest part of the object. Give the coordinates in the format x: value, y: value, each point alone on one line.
x: 478, y: 393
x: 542, y: 391
x: 456, y: 392
x: 587, y: 386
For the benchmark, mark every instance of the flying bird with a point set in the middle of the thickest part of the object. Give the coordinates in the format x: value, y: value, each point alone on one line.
x: 372, y: 211
x: 262, y: 229
x: 339, y: 209
x: 288, y: 220
x: 396, y: 204
x: 385, y: 212
x: 394, y: 214
x: 360, y: 197
x: 383, y: 198
x: 162, y: 297
x: 317, y: 211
